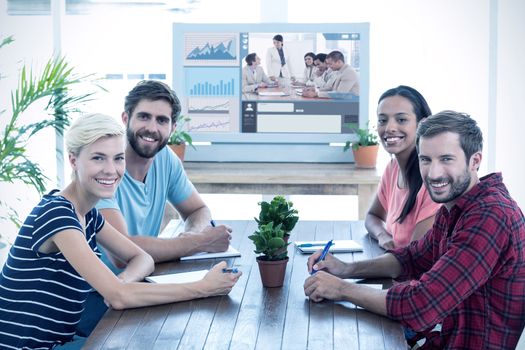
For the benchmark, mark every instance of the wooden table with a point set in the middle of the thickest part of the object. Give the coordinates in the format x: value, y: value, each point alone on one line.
x: 253, y: 317
x: 286, y: 179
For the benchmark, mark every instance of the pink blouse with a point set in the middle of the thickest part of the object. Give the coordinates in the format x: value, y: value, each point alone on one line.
x: 393, y: 198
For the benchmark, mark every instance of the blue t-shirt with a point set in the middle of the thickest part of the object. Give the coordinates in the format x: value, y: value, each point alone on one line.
x: 41, y: 295
x: 142, y: 204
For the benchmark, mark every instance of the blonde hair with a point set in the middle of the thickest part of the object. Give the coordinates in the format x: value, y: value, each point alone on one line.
x: 89, y: 128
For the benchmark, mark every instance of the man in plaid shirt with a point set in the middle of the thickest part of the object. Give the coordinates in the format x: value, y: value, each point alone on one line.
x: 467, y: 274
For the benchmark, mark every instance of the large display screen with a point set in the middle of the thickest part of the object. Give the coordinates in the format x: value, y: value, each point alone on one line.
x: 275, y: 122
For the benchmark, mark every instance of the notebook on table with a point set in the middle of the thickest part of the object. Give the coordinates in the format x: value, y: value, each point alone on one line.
x: 230, y: 253
x: 181, y: 277
x: 175, y: 227
x: 338, y: 246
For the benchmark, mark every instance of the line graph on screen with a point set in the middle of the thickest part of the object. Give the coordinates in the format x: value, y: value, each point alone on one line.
x: 211, y: 114
x: 211, y: 49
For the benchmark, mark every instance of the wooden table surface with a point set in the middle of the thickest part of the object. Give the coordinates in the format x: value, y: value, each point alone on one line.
x: 253, y: 317
x: 286, y: 179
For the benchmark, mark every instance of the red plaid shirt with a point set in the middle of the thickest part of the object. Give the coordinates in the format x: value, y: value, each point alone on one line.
x: 467, y: 273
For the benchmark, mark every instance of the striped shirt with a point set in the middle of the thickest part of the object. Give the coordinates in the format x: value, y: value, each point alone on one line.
x: 467, y: 273
x: 41, y: 295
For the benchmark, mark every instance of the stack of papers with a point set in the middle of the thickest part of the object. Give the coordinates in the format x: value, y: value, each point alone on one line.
x: 183, y: 277
x: 338, y: 246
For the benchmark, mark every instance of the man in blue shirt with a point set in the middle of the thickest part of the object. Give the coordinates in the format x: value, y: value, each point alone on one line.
x: 154, y: 175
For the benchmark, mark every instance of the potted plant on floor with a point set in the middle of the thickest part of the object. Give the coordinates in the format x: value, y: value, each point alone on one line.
x: 365, y: 148
x: 278, y: 211
x: 269, y: 243
x: 180, y: 137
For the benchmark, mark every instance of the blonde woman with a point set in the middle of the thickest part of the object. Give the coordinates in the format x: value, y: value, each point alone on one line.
x: 54, y: 261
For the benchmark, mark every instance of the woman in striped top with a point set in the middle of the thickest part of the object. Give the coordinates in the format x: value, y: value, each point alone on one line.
x: 54, y: 262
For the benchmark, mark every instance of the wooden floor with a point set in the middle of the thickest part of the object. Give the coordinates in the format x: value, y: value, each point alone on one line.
x: 253, y: 317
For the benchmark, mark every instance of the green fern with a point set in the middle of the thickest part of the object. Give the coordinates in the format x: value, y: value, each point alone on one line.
x: 53, y: 83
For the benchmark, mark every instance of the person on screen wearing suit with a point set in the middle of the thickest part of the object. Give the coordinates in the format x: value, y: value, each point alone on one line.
x: 344, y: 79
x: 309, y: 70
x: 253, y: 76
x: 278, y: 62
x: 322, y: 72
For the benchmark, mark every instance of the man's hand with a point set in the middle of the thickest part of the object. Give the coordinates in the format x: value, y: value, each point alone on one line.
x: 211, y: 239
x: 322, y: 286
x: 309, y: 92
x: 330, y: 264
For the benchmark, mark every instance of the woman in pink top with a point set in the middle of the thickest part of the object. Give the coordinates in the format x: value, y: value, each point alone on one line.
x: 402, y: 210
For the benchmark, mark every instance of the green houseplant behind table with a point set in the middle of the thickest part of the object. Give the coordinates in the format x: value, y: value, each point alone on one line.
x: 269, y: 243
x: 180, y: 137
x: 365, y: 148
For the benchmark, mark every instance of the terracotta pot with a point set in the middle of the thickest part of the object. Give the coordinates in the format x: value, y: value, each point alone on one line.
x: 272, y: 272
x: 366, y: 156
x: 179, y: 150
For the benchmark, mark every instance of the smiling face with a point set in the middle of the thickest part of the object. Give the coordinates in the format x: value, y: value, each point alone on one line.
x: 444, y: 169
x: 396, y: 125
x: 308, y: 60
x: 321, y: 66
x: 99, y: 166
x: 149, y: 127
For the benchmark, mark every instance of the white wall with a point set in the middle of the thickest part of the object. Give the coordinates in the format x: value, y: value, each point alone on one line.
x: 441, y: 47
x: 510, y: 96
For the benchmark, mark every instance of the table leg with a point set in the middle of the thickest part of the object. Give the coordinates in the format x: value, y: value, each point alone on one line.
x: 365, y: 195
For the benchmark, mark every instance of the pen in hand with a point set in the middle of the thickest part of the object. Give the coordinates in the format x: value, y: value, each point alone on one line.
x: 323, y: 255
x: 230, y: 270
x: 212, y: 223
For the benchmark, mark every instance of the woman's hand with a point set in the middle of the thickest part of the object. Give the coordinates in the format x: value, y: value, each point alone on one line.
x: 217, y: 282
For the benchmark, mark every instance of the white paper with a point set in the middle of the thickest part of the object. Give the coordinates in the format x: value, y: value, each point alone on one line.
x: 182, y: 277
x: 175, y: 227
x: 338, y: 246
x: 374, y: 286
x: 231, y: 252
x: 271, y: 93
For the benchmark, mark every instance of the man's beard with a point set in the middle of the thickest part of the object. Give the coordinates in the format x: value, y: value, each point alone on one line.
x: 458, y: 186
x: 144, y: 151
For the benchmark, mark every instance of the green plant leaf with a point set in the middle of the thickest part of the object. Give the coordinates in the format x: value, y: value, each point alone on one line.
x: 54, y: 83
x: 365, y: 137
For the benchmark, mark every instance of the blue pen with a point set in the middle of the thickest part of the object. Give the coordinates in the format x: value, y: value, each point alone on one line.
x: 230, y: 270
x: 323, y: 255
x: 308, y: 245
x: 212, y: 223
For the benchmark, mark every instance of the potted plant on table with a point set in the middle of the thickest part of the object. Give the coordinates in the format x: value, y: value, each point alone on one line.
x: 365, y: 148
x: 180, y: 137
x: 278, y: 211
x: 269, y: 243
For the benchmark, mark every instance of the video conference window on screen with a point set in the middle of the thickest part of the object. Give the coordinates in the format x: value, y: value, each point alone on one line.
x: 212, y: 91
